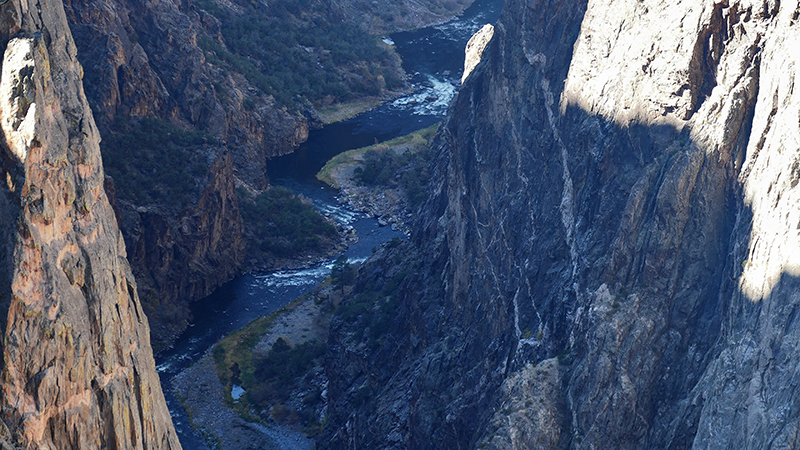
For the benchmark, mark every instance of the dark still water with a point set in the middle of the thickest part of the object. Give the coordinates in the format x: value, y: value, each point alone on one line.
x: 434, y: 57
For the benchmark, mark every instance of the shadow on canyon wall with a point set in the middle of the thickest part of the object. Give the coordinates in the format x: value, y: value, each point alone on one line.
x: 614, y: 240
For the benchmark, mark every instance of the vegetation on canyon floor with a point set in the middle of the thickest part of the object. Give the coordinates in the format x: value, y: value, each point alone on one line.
x: 401, y: 163
x: 300, y: 49
x: 279, y: 359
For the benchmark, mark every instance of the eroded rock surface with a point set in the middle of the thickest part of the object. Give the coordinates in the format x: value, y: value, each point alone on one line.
x: 78, y: 371
x: 616, y: 185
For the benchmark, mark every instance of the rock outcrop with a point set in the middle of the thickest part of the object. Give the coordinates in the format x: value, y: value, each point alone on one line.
x: 616, y: 186
x: 475, y: 47
x: 184, y: 257
x: 78, y: 371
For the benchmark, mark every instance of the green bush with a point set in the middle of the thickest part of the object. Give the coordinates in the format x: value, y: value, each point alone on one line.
x: 283, y: 225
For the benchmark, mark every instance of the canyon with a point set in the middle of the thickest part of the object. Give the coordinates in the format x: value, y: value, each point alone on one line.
x: 606, y: 256
x: 188, y: 67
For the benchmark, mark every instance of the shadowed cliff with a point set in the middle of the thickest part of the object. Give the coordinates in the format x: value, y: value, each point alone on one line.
x: 606, y: 256
x: 78, y: 370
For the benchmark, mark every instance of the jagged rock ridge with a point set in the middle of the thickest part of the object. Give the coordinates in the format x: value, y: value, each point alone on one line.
x: 78, y: 370
x: 616, y: 186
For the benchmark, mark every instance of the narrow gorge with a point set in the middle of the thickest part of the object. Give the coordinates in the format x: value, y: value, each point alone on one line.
x: 606, y: 257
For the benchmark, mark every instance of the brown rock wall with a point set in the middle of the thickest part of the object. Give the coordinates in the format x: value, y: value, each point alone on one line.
x: 77, y: 365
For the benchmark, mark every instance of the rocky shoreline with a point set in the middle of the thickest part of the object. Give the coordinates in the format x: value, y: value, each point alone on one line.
x: 203, y: 396
x: 387, y: 206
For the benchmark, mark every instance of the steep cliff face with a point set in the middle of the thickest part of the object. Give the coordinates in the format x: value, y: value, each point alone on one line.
x: 144, y: 59
x: 78, y: 371
x: 185, y: 256
x: 616, y: 186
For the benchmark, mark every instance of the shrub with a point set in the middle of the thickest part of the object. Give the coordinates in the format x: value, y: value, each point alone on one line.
x: 410, y: 171
x: 342, y: 273
x: 153, y: 161
x: 283, y: 225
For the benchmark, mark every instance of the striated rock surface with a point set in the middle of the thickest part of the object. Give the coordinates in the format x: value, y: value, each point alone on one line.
x: 616, y: 185
x: 78, y: 371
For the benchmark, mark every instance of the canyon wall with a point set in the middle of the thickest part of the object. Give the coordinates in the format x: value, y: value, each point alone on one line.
x: 78, y: 370
x: 607, y: 256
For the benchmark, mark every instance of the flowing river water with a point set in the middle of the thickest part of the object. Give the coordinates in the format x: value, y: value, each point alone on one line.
x: 434, y: 57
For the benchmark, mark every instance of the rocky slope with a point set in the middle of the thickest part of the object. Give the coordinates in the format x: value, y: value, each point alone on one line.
x: 78, y: 371
x: 616, y: 186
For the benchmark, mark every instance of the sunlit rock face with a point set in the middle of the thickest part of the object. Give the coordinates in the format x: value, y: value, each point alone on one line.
x: 78, y: 371
x: 616, y: 186
x: 475, y: 47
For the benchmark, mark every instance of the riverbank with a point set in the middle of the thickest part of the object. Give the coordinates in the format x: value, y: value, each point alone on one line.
x: 388, y: 201
x: 203, y: 396
x: 204, y: 389
x: 344, y: 111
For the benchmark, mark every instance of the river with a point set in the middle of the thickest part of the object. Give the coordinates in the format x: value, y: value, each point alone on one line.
x: 434, y: 57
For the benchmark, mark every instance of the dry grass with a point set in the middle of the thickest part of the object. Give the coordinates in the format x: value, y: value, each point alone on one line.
x: 413, y: 142
x: 344, y: 111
